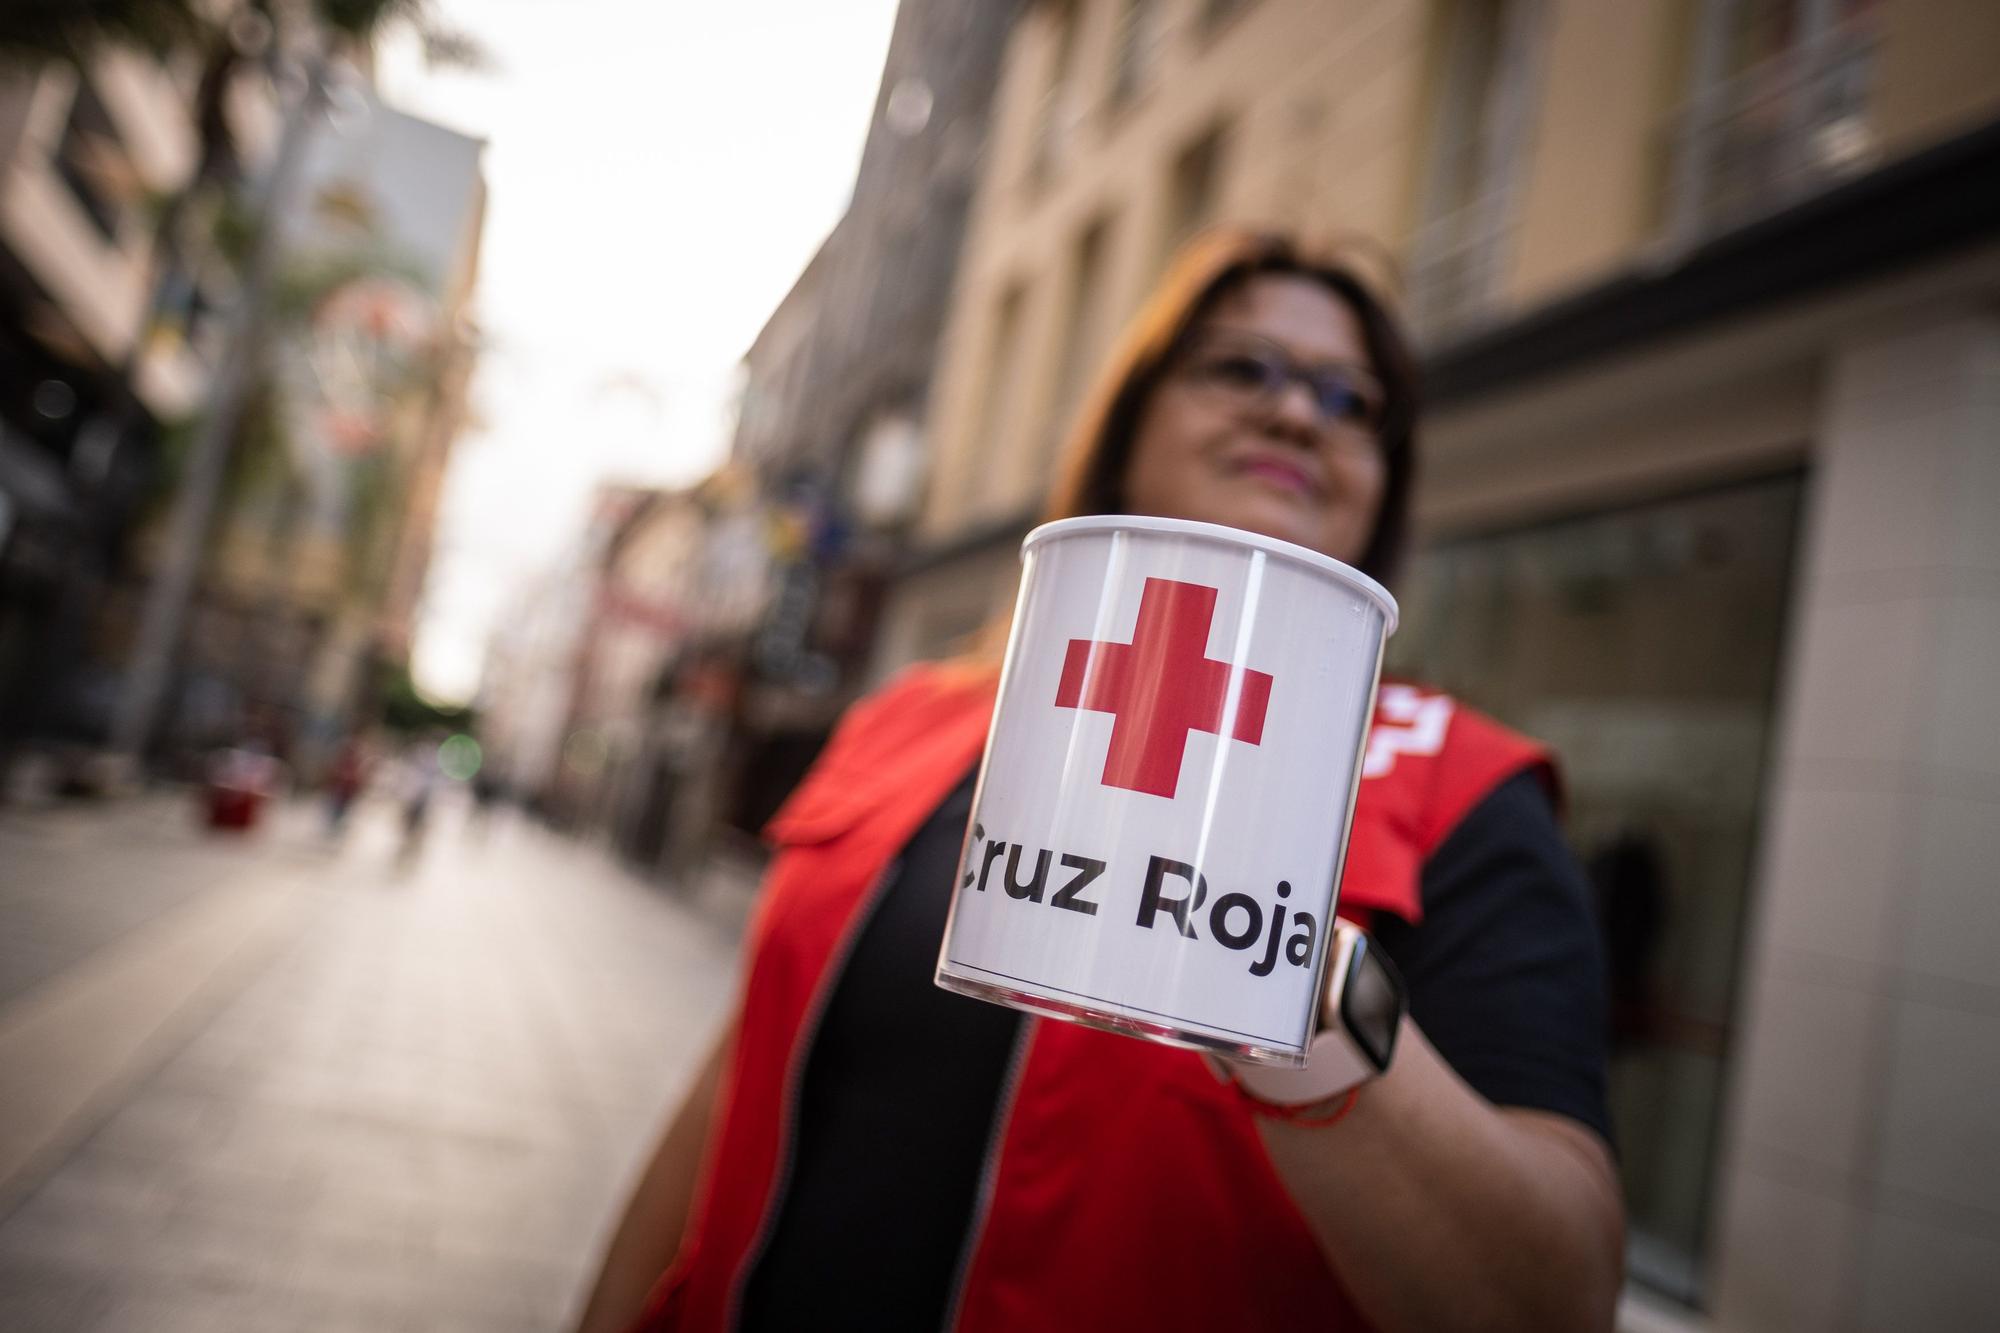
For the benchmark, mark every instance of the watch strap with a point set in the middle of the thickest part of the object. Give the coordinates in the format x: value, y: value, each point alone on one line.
x: 1335, y: 1062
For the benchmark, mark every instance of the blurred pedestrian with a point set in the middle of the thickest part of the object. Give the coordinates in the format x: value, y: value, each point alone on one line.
x: 345, y: 777
x: 487, y: 793
x: 419, y: 779
x: 862, y: 1149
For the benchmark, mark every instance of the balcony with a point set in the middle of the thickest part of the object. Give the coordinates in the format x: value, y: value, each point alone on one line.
x: 1455, y: 271
x: 1782, y: 130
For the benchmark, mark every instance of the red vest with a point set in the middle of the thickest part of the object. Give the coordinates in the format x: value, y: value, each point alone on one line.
x: 1129, y: 1188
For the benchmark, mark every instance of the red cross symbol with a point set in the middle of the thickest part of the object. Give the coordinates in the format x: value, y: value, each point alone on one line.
x: 1161, y: 686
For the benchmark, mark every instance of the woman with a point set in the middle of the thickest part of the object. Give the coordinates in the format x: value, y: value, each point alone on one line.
x: 881, y: 1154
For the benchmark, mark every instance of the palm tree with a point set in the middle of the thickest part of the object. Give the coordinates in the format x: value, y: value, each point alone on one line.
x: 328, y: 27
x: 223, y: 41
x: 34, y: 31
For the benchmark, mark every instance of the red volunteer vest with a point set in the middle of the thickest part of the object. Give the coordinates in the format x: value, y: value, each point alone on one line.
x: 1130, y: 1188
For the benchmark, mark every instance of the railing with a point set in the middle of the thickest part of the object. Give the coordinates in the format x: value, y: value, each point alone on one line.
x: 1774, y: 134
x: 1454, y: 271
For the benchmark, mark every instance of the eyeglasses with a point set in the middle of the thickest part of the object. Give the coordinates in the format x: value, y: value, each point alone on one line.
x: 1253, y: 372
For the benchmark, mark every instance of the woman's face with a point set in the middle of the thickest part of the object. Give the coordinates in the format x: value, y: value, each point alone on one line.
x: 1266, y: 422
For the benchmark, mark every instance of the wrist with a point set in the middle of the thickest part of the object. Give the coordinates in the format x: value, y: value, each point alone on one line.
x: 1361, y: 1012
x: 1307, y: 1115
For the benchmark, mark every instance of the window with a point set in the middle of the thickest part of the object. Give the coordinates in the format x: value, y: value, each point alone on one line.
x: 1778, y: 108
x: 1081, y: 333
x: 887, y: 480
x: 1192, y: 189
x: 1643, y: 644
x: 1055, y: 117
x: 1490, y: 73
x: 1136, y: 49
x: 1004, y: 363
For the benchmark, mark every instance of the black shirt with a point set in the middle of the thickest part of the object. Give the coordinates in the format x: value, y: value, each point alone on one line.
x: 903, y: 1080
x: 895, y: 1111
x: 1506, y: 974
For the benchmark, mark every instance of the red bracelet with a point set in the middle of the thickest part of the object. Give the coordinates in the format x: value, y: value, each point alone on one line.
x: 1312, y: 1115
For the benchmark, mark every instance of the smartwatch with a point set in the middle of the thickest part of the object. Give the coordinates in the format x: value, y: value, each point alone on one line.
x: 1359, y: 1017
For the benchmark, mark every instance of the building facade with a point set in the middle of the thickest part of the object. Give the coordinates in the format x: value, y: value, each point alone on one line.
x: 610, y: 686
x: 671, y: 606
x: 1706, y: 296
x: 122, y: 182
x: 386, y: 235
x: 85, y: 389
x: 526, y: 684
x: 837, y: 385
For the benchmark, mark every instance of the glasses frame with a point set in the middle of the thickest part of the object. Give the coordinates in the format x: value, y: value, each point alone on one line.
x: 1206, y: 347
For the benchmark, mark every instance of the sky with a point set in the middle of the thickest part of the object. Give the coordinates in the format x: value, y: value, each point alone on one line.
x: 658, y: 172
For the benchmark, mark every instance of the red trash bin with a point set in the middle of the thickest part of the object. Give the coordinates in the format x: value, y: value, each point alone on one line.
x: 239, y: 782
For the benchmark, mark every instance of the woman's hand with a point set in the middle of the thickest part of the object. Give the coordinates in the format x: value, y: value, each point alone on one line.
x: 1441, y: 1211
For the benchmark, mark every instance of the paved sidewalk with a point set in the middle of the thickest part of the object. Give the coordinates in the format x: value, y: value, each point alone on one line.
x: 413, y: 1104
x: 75, y: 878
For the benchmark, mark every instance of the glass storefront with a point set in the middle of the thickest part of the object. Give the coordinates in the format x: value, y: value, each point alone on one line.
x: 1643, y: 643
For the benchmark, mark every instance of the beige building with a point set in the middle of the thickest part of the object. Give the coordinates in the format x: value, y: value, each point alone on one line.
x: 320, y: 546
x: 609, y: 678
x: 383, y: 183
x: 834, y: 388
x: 325, y: 524
x: 81, y: 150
x: 89, y: 378
x: 1709, y: 297
x: 679, y: 587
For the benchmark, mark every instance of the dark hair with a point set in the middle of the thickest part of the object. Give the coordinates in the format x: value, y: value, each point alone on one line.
x: 1099, y: 448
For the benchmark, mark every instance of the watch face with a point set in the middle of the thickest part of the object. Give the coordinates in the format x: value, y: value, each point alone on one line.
x: 1371, y: 1003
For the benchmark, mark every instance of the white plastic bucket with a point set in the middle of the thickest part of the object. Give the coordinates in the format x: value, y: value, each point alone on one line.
x: 1163, y: 808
